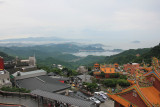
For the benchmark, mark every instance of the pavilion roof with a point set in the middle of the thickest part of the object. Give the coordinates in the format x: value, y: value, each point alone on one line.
x: 152, y: 94
x: 119, y: 100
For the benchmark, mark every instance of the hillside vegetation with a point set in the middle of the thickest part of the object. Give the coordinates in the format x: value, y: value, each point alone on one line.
x: 6, y: 57
x: 130, y: 55
x: 48, y: 57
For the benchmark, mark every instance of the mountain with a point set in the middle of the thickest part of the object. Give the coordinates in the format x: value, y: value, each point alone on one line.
x: 146, y: 57
x: 49, y: 50
x: 126, y: 56
x: 56, y: 53
x: 6, y: 57
x: 34, y: 39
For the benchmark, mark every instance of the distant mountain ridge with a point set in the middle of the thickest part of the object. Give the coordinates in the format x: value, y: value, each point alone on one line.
x: 129, y: 56
x: 60, y: 54
x: 35, y: 39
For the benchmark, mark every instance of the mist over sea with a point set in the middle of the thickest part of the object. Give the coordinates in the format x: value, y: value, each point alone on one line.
x: 84, y: 54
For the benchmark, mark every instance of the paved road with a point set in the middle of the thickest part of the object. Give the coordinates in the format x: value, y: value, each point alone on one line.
x: 107, y: 103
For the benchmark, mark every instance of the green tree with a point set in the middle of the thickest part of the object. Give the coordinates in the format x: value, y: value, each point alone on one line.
x: 102, y: 74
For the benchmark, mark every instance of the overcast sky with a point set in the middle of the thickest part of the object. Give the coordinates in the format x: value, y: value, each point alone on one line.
x: 110, y: 21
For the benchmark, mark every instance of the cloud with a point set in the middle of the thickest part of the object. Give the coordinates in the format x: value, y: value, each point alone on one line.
x: 106, y: 20
x: 1, y: 2
x: 137, y: 42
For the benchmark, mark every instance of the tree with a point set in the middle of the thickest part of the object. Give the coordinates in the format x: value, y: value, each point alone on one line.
x: 102, y: 74
x: 90, y: 86
x: 123, y: 77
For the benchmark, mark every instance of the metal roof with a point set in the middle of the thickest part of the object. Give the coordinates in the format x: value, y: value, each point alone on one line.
x: 63, y: 98
x: 44, y: 83
x: 30, y: 72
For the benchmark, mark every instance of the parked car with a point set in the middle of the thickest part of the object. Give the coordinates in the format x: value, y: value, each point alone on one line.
x: 99, y: 98
x: 101, y: 94
x: 95, y: 100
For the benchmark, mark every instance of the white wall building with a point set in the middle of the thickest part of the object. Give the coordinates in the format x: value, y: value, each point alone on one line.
x: 4, y: 79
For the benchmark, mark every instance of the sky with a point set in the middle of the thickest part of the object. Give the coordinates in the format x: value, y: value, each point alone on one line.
x: 122, y: 23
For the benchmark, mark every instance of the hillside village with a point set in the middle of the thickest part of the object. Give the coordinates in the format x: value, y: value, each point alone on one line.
x: 102, y: 85
x: 79, y: 53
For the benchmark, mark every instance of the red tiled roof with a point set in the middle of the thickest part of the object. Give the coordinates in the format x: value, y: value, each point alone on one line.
x: 152, y: 94
x: 120, y: 100
x: 108, y: 70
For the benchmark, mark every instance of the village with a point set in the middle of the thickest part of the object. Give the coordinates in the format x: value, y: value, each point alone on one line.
x: 23, y: 84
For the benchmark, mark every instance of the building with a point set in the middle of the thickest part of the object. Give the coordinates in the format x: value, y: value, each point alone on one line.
x: 106, y: 69
x: 145, y: 91
x: 44, y: 83
x: 142, y: 94
x: 1, y: 63
x: 96, y: 67
x: 4, y: 79
x: 21, y: 65
x: 82, y: 69
x: 116, y: 65
x: 22, y: 75
x: 85, y: 78
x: 58, y: 100
x: 131, y: 67
x: 59, y: 66
x: 32, y: 61
x: 4, y: 75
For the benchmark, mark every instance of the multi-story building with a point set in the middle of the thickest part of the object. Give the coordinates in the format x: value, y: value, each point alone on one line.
x: 4, y: 75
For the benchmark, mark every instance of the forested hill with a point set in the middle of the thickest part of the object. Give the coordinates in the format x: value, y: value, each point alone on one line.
x: 6, y: 56
x: 126, y: 56
x: 130, y: 55
x: 146, y: 57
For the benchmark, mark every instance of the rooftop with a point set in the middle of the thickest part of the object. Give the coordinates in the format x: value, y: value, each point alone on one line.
x: 29, y: 74
x: 62, y: 98
x: 108, y: 70
x: 152, y: 94
x: 44, y: 83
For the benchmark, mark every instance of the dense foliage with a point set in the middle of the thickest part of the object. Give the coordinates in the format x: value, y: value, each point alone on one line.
x: 6, y: 57
x: 126, y: 56
x: 14, y: 89
x: 147, y: 57
x: 64, y: 72
x: 114, y: 82
x: 90, y: 86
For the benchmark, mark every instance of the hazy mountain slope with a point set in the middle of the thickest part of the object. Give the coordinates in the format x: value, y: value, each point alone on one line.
x: 6, y: 57
x: 126, y: 56
x: 146, y: 57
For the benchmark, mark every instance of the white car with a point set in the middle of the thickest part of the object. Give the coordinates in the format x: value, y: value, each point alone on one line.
x: 103, y: 96
x: 95, y: 100
x: 102, y: 92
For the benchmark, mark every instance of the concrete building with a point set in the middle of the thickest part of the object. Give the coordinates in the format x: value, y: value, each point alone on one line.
x: 5, y: 78
x: 82, y: 69
x: 32, y: 61
x: 4, y: 75
x: 23, y: 75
